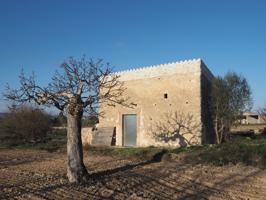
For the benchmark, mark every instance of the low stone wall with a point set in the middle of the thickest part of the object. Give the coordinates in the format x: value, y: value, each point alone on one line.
x: 86, y: 135
x: 256, y: 128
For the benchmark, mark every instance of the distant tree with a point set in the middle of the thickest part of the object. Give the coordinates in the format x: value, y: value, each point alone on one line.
x: 90, y: 121
x: 60, y: 120
x: 231, y: 96
x: 25, y: 124
x: 81, y: 87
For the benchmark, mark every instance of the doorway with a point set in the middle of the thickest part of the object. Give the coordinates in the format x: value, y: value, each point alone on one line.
x: 129, y: 130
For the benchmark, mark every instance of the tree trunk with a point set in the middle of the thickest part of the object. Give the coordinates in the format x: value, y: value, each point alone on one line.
x: 76, y: 170
x: 217, y: 131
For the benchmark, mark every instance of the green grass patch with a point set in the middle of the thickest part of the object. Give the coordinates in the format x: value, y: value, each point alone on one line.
x: 123, y: 151
x: 239, y: 150
x: 55, y: 140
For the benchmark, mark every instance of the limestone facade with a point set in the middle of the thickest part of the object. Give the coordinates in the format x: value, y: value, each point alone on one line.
x: 174, y: 90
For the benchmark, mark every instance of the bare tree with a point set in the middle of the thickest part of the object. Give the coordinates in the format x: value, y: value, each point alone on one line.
x: 177, y: 126
x: 80, y: 87
x: 230, y: 97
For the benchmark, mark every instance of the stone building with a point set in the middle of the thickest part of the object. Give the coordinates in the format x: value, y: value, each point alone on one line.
x: 253, y: 118
x: 250, y: 123
x: 171, y: 107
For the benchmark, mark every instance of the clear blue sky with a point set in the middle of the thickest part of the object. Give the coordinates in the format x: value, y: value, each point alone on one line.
x: 228, y: 35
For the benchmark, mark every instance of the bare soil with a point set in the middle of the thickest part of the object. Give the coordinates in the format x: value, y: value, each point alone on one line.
x: 35, y: 174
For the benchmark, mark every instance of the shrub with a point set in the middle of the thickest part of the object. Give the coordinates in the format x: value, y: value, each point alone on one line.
x: 25, y: 124
x: 239, y: 150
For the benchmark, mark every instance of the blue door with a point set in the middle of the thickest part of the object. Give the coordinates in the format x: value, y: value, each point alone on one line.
x: 130, y: 130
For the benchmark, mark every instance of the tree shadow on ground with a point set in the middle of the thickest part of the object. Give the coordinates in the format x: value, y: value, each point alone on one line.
x: 6, y: 162
x: 155, y: 158
x: 148, y: 179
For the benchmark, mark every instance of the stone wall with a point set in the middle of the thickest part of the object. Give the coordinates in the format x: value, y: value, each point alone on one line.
x: 148, y: 88
x: 86, y: 135
x: 208, y: 134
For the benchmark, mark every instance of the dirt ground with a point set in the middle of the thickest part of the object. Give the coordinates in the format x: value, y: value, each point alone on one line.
x: 32, y: 174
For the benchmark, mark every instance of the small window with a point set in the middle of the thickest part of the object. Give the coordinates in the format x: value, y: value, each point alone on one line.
x: 165, y: 95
